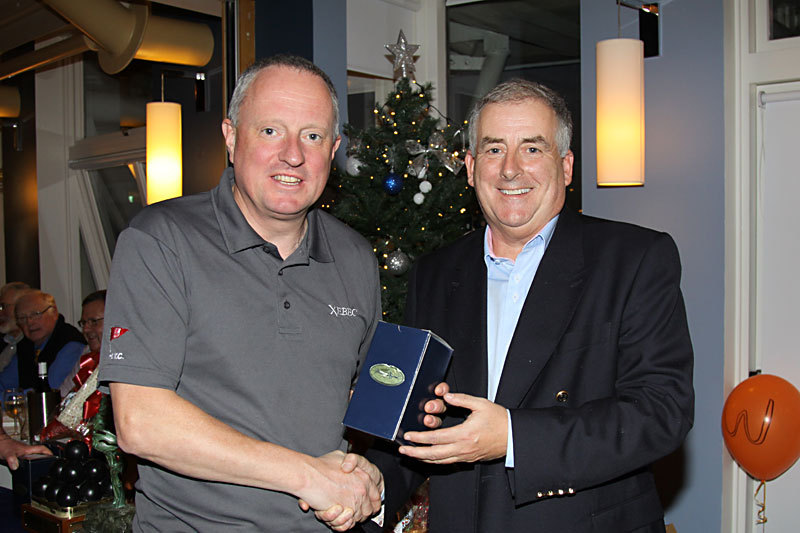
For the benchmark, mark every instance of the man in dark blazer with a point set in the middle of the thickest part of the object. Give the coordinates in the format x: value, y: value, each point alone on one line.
x: 572, y: 362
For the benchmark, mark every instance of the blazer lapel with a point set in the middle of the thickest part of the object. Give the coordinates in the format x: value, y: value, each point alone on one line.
x: 467, y: 303
x: 549, y: 306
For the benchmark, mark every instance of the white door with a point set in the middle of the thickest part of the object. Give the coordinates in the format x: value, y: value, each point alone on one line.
x: 777, y: 287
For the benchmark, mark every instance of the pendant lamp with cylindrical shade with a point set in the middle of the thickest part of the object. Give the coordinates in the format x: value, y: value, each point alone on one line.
x: 620, y: 112
x: 164, y: 161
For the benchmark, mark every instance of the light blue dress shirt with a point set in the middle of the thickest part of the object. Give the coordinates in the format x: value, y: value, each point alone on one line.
x: 507, y: 285
x: 9, y: 375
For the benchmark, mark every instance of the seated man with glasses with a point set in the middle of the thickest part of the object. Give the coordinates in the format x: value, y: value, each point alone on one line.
x: 47, y: 338
x: 91, y: 324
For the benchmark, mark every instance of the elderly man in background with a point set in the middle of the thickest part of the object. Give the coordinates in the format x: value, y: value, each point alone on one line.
x: 48, y: 338
x: 91, y: 323
x: 10, y: 449
x: 12, y: 335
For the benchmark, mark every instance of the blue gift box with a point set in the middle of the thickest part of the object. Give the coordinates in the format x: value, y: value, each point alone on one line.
x: 401, y: 369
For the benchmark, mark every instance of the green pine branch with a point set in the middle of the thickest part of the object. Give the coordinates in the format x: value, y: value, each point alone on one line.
x: 392, y: 222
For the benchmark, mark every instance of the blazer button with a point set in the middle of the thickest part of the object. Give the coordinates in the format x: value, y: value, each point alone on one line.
x: 562, y: 396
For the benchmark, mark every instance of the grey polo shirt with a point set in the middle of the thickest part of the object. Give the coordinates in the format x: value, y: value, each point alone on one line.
x: 200, y: 304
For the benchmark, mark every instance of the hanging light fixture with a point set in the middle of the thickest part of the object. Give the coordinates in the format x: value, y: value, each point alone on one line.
x: 164, y: 159
x: 620, y: 112
x: 620, y: 109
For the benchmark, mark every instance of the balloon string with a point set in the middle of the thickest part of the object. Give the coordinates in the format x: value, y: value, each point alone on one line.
x: 762, y: 505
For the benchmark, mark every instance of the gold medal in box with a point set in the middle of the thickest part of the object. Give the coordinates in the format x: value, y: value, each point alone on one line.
x: 401, y: 369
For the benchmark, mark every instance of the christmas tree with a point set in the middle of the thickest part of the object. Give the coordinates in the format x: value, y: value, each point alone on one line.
x: 404, y: 188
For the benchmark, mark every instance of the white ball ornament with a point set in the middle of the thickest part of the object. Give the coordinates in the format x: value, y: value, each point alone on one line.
x: 353, y: 165
x: 425, y: 186
x: 398, y: 263
x: 419, y: 198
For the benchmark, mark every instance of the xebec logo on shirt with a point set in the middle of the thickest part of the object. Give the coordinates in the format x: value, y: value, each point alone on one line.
x: 342, y: 311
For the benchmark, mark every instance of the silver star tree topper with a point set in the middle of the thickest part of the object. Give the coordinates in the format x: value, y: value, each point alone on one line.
x: 403, y: 56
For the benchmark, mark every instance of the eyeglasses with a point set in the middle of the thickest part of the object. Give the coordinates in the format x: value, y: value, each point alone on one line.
x: 91, y: 322
x: 36, y: 315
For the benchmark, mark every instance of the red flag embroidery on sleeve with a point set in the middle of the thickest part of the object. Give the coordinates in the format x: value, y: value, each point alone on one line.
x: 117, y: 332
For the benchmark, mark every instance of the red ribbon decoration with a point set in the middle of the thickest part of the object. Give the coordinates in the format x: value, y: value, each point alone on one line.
x: 92, y: 405
x: 55, y: 429
x: 87, y: 364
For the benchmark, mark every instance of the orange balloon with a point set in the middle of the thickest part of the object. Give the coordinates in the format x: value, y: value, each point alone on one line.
x: 761, y: 425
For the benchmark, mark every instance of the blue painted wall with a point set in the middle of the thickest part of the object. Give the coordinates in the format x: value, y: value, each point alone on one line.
x: 314, y: 29
x: 330, y: 53
x: 683, y: 195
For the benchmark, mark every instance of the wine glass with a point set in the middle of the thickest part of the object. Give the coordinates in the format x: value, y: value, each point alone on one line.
x: 14, y: 402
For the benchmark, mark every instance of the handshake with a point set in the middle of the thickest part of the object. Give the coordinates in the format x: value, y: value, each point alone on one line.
x: 343, y: 489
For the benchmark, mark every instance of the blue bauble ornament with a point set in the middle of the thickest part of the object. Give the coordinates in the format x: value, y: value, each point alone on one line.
x: 393, y: 183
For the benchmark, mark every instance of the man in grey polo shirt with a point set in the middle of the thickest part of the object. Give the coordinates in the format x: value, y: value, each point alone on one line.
x: 235, y: 324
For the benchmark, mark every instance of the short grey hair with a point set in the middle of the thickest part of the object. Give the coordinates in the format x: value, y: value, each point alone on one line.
x: 36, y: 293
x: 280, y: 60
x: 518, y: 90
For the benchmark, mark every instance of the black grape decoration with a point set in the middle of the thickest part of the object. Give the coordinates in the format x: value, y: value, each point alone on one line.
x: 76, y: 450
x: 73, y: 473
x: 74, y: 478
x: 67, y: 496
x: 39, y: 488
x: 51, y: 494
x: 91, y: 491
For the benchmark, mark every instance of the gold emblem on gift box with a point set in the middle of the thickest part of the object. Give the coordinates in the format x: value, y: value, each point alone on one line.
x: 387, y: 374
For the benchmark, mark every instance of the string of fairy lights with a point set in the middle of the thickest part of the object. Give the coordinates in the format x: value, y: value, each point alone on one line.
x: 402, y: 185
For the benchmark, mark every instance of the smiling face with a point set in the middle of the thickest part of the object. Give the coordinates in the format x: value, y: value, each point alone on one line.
x: 92, y: 323
x: 283, y: 145
x: 518, y: 175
